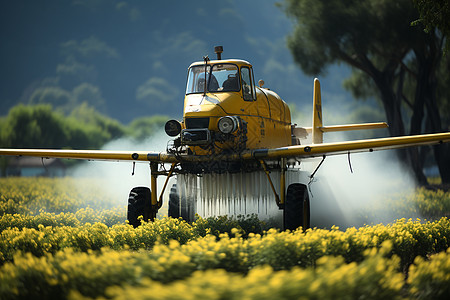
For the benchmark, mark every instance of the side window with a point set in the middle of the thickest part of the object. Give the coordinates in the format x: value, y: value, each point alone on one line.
x: 247, y: 84
x: 196, y: 79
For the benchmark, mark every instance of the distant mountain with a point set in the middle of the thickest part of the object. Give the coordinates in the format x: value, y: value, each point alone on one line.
x: 129, y: 58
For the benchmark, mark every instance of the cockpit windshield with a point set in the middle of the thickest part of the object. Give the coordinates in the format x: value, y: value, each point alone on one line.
x: 221, y: 78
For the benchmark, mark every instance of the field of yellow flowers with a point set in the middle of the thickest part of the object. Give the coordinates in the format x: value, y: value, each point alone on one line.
x: 60, y: 242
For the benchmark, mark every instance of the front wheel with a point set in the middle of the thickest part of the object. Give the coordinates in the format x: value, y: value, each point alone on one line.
x: 296, y: 207
x: 138, y: 198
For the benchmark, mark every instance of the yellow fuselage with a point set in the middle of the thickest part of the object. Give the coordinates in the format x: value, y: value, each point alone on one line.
x: 267, y: 116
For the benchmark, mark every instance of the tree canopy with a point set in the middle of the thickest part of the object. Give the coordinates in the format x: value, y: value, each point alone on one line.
x: 434, y: 14
x: 144, y: 127
x: 391, y: 60
x: 40, y: 127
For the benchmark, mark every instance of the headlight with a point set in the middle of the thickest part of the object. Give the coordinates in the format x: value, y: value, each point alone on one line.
x: 172, y: 128
x: 228, y: 124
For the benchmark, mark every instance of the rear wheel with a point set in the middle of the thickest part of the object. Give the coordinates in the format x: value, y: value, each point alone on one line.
x: 137, y: 200
x: 296, y: 207
x: 174, y: 202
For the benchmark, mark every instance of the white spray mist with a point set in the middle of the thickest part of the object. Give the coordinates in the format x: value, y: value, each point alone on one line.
x: 367, y: 195
x: 116, y: 177
x: 362, y: 189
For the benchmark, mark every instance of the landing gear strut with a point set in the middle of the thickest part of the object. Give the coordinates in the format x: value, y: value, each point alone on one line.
x: 143, y: 201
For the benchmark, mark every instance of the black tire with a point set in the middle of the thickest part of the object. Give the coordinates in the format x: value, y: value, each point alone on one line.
x: 296, y: 207
x: 174, y: 202
x: 137, y: 200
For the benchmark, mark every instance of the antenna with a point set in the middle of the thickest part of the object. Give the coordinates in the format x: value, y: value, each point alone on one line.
x: 206, y: 60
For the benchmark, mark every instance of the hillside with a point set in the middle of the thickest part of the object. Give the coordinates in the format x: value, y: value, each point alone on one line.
x: 129, y: 58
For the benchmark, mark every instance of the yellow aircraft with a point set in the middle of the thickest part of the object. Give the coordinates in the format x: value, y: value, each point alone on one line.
x: 236, y: 151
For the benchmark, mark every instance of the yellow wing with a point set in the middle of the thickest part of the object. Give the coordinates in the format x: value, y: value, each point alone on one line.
x: 298, y: 151
x: 368, y: 145
x: 91, y: 154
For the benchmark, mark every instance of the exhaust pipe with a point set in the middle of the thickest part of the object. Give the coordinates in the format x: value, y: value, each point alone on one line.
x: 218, y: 50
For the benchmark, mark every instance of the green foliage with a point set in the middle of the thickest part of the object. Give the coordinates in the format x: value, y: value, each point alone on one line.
x: 98, y: 127
x: 37, y: 126
x: 434, y: 14
x: 429, y: 279
x: 144, y: 127
x: 95, y: 260
x: 41, y: 127
x: 243, y: 225
x: 31, y: 196
x: 354, y: 281
x: 433, y: 203
x: 330, y: 31
x: 430, y: 204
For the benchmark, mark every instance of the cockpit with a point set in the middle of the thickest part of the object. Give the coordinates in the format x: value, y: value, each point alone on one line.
x: 220, y: 77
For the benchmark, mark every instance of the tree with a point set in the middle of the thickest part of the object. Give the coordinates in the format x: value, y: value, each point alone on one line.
x: 40, y: 127
x: 388, y: 56
x: 144, y: 127
x: 33, y: 127
x: 88, y: 115
x: 434, y: 14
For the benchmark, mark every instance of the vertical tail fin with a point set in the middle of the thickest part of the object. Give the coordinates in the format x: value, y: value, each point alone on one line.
x: 317, y: 134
